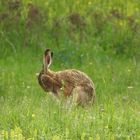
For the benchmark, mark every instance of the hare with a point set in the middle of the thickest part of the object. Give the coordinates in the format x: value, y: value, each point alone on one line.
x: 69, y: 82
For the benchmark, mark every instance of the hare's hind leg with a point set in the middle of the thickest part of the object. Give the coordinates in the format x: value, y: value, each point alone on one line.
x: 81, y: 97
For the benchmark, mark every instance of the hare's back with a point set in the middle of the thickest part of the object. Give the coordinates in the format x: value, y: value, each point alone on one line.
x: 74, y: 76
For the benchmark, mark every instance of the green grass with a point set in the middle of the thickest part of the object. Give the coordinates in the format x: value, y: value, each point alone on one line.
x: 98, y: 37
x: 29, y: 113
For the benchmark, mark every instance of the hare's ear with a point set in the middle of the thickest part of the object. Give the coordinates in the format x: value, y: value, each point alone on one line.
x: 47, y: 58
x: 51, y: 54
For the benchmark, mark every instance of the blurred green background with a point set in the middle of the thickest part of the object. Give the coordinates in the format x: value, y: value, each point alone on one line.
x: 99, y: 37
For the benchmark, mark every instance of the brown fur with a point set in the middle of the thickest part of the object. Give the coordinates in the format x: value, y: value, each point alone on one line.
x: 68, y: 82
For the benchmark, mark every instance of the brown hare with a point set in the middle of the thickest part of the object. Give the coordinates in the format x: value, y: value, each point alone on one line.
x: 66, y: 83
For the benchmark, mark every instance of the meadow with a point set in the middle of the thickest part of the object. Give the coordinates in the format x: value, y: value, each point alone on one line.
x: 100, y: 38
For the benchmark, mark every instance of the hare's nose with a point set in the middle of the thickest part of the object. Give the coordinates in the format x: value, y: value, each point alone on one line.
x: 37, y: 74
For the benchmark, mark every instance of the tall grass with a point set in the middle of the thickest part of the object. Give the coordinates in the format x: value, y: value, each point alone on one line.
x: 27, y: 112
x: 112, y: 26
x: 98, y: 37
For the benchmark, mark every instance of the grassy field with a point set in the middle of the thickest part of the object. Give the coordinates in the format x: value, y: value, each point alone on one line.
x: 29, y: 113
x: 103, y: 42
